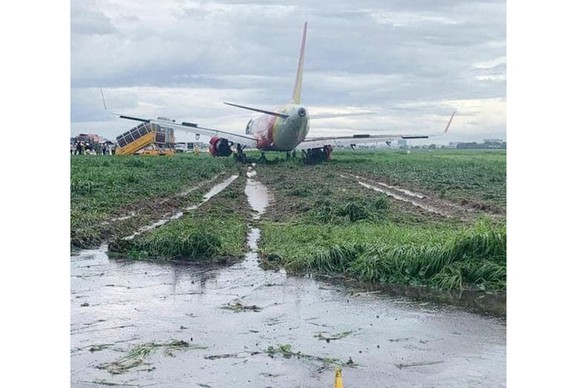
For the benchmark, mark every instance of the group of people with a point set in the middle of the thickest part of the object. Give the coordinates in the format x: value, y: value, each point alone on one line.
x: 81, y: 148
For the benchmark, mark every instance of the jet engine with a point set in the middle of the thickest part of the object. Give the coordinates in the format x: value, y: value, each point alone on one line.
x: 317, y: 155
x: 220, y: 146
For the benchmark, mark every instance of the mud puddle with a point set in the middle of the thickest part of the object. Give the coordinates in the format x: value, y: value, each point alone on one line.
x: 257, y: 194
x: 244, y: 326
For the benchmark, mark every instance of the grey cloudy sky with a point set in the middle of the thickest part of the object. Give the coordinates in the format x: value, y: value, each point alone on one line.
x: 407, y: 64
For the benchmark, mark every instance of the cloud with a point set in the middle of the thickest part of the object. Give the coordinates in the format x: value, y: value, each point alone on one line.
x: 86, y: 19
x: 407, y: 61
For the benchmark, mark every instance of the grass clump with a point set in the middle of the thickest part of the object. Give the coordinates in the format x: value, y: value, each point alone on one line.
x: 191, y: 239
x: 475, y: 259
x: 348, y: 210
x: 324, y: 363
x: 189, y: 244
x: 471, y: 259
x: 137, y: 355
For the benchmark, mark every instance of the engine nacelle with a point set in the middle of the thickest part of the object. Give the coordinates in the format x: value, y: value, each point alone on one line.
x: 220, y: 146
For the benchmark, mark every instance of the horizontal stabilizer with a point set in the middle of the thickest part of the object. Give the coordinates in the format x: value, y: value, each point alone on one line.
x: 134, y: 118
x: 283, y: 116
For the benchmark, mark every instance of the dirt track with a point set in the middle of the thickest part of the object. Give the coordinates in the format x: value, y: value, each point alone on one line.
x: 422, y: 201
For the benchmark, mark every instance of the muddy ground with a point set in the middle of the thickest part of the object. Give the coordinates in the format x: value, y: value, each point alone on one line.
x: 183, y: 325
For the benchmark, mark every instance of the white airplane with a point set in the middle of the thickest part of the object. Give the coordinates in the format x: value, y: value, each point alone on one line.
x: 284, y: 129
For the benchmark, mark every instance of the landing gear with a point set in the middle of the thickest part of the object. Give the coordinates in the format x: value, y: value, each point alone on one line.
x: 317, y: 155
x: 240, y: 156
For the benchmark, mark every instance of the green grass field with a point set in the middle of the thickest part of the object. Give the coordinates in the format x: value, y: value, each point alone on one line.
x: 460, y: 175
x: 321, y: 220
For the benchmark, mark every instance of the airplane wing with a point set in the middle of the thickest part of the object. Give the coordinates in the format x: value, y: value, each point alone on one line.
x: 244, y: 140
x: 364, y: 138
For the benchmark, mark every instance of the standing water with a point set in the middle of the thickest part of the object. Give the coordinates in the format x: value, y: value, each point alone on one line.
x: 168, y: 325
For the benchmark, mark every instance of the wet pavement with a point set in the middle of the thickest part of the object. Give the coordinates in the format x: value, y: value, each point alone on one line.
x: 244, y: 326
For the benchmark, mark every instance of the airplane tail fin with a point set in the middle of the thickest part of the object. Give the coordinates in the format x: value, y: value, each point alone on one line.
x: 299, y: 80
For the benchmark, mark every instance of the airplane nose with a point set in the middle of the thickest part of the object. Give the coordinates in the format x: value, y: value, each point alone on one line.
x: 302, y: 112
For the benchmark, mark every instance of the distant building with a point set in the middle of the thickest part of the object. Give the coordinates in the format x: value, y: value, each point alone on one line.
x: 487, y: 144
x: 495, y: 143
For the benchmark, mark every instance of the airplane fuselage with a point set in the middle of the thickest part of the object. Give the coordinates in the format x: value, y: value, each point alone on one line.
x: 274, y: 133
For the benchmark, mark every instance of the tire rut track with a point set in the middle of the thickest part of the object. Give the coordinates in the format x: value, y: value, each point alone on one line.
x: 436, y: 206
